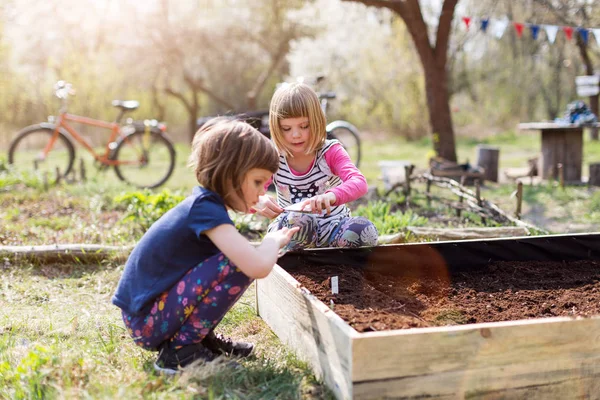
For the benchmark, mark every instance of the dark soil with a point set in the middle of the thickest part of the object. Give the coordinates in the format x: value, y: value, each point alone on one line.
x: 502, y: 291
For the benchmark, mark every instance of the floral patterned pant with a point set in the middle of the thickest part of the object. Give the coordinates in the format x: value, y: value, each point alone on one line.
x: 194, y: 306
x: 348, y: 232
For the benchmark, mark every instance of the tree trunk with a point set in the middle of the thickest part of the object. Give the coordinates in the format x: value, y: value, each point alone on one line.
x: 434, y: 62
x: 438, y: 104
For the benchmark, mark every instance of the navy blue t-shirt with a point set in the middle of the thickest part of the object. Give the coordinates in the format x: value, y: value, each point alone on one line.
x: 171, y: 247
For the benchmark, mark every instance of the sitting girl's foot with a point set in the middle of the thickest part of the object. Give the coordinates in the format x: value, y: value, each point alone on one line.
x: 170, y: 360
x: 220, y: 344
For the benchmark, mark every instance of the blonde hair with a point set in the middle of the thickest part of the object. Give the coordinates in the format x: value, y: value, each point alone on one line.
x: 224, y: 150
x: 297, y: 100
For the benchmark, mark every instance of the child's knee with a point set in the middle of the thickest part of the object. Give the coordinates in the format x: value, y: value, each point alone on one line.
x: 307, y: 235
x: 369, y: 235
x: 356, y: 232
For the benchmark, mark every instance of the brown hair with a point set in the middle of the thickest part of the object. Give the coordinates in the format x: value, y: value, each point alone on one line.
x: 224, y: 150
x: 294, y: 101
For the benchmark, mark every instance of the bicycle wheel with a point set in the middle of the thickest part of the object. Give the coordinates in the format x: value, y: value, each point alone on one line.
x: 145, y: 160
x: 347, y: 134
x: 35, y: 149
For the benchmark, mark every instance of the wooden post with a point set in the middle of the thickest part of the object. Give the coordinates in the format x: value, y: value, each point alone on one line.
x: 428, y: 191
x: 478, y: 196
x: 463, y: 179
x: 487, y: 157
x: 561, y: 175
x: 82, y: 170
x: 594, y: 179
x: 519, y: 199
x: 57, y: 170
x: 407, y: 173
x: 35, y: 165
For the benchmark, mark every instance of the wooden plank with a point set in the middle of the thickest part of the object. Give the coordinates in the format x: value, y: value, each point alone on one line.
x: 318, y: 335
x: 587, y: 80
x: 545, y: 125
x: 507, y: 348
x: 580, y: 380
x: 588, y: 90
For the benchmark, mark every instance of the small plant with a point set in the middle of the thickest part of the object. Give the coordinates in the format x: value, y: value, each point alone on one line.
x: 29, y: 380
x: 9, y: 178
x: 144, y: 207
x: 388, y: 222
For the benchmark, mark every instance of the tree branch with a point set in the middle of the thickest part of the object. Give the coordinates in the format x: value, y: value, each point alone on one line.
x: 396, y: 5
x: 443, y: 32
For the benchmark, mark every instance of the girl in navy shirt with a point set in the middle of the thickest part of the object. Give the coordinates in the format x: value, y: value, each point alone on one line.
x: 192, y: 265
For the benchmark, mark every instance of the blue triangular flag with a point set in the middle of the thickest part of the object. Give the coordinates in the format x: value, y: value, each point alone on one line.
x: 583, y: 33
x: 535, y: 29
x: 484, y: 24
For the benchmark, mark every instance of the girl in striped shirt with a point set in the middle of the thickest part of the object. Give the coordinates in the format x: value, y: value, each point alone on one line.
x: 315, y: 174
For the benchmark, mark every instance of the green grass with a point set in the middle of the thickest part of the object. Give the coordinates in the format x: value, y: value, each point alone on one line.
x: 60, y: 337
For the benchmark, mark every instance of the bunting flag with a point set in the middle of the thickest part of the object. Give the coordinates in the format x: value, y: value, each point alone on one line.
x: 467, y: 21
x: 568, y: 31
x: 596, y: 33
x: 519, y: 28
x: 497, y: 27
x: 535, y: 30
x: 485, y: 22
x: 551, y: 31
x: 583, y: 34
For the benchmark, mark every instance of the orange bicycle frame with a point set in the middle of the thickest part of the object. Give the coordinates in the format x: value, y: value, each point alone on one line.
x: 114, y: 127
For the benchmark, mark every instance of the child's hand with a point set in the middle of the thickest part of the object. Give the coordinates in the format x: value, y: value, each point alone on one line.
x: 319, y: 203
x: 267, y: 207
x: 283, y: 235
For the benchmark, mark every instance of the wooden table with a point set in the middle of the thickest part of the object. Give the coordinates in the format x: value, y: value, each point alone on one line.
x: 561, y: 144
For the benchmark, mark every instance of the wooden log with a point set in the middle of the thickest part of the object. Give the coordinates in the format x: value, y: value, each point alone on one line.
x: 594, y: 179
x: 455, y: 234
x: 83, y: 253
x: 487, y: 158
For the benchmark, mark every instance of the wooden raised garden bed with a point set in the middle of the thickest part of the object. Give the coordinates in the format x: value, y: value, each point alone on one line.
x: 529, y: 358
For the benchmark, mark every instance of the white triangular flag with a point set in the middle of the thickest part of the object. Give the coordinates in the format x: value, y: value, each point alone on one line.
x: 551, y: 31
x: 498, y: 27
x: 597, y: 35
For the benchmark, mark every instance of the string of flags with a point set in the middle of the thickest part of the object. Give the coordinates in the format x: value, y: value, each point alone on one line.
x: 497, y: 27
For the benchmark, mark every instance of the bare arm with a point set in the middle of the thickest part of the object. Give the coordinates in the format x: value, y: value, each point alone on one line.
x: 254, y: 262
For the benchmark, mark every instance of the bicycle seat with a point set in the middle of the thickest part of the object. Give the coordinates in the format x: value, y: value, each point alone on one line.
x: 127, y: 105
x: 327, y: 95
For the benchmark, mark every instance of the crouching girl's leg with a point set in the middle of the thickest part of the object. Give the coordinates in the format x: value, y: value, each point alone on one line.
x: 306, y: 237
x: 186, y: 313
x: 354, y: 232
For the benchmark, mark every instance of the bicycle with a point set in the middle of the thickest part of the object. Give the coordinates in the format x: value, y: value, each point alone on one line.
x: 139, y: 152
x: 347, y: 134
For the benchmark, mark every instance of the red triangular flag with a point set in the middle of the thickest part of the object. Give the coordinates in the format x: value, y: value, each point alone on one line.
x: 568, y: 31
x: 519, y: 28
x: 467, y: 21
